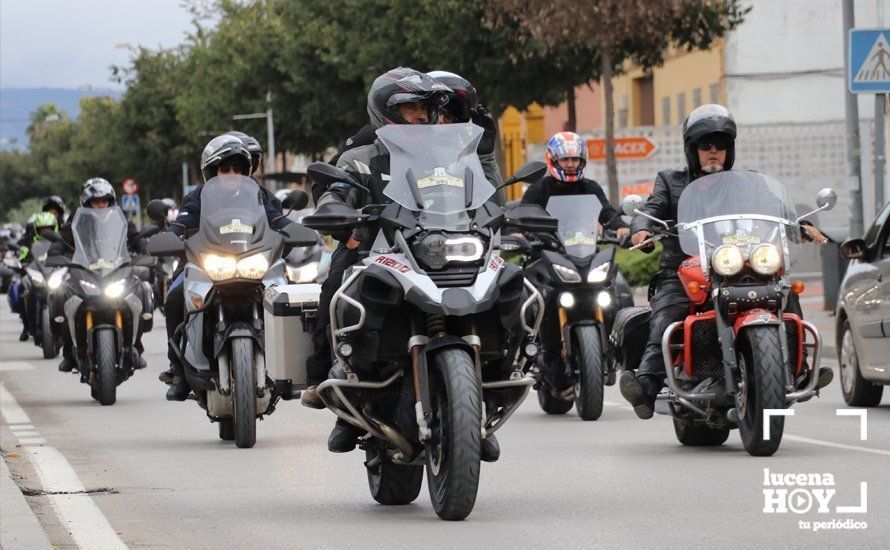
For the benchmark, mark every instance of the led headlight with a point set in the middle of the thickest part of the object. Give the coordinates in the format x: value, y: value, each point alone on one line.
x: 766, y: 259
x: 219, y: 268
x: 463, y: 249
x: 566, y: 300
x: 567, y: 274
x: 115, y: 289
x: 303, y: 274
x: 253, y: 267
x: 599, y: 273
x: 604, y: 299
x: 436, y: 250
x: 36, y: 276
x: 727, y: 260
x: 55, y: 280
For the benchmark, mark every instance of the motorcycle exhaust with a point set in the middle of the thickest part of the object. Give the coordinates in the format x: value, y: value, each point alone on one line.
x: 406, y: 450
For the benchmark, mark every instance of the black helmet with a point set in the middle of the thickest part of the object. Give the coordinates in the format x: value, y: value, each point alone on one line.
x: 54, y: 202
x: 97, y: 188
x: 710, y: 121
x: 253, y: 147
x: 462, y: 99
x: 404, y: 85
x: 226, y: 148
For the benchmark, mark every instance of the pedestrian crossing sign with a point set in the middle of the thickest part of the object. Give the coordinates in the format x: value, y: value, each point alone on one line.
x: 868, y: 68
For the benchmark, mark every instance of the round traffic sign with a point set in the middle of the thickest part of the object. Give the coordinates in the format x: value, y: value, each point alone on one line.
x: 130, y: 186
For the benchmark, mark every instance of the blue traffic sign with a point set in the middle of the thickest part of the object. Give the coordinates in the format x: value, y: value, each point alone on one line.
x: 130, y: 203
x: 868, y: 69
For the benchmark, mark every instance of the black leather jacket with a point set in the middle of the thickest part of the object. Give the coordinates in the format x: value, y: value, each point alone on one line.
x: 541, y: 191
x: 662, y: 204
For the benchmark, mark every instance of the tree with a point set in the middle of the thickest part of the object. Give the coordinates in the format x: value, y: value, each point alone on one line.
x: 45, y: 114
x: 639, y: 31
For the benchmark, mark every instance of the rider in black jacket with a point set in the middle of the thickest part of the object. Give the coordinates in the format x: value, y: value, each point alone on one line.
x: 709, y: 142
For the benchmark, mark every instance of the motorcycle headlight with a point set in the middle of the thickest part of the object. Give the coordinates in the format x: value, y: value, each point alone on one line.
x: 219, y: 268
x: 604, y: 299
x: 566, y: 300
x: 436, y: 250
x: 55, y: 280
x: 36, y: 276
x: 304, y: 274
x: 599, y: 273
x: 115, y: 289
x: 253, y: 267
x: 567, y: 274
x: 727, y: 260
x: 766, y: 259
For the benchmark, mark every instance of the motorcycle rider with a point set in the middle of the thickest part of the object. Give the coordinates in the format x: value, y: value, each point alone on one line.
x: 56, y: 206
x: 96, y: 193
x: 43, y: 223
x: 709, y: 134
x: 224, y: 155
x: 253, y: 147
x: 566, y: 159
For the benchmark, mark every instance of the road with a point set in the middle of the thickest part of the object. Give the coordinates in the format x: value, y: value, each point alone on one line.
x: 150, y: 474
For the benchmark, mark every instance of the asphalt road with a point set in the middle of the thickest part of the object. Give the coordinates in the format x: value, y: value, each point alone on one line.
x: 154, y: 474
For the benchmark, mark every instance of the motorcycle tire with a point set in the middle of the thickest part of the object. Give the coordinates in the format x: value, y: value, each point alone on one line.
x: 589, y: 380
x: 105, y: 383
x: 393, y: 484
x: 693, y: 435
x: 551, y: 404
x: 760, y: 362
x: 48, y: 342
x: 244, y: 392
x: 453, y: 453
x: 227, y: 429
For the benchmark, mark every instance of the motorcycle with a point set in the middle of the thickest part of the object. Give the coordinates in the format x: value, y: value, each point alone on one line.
x: 432, y: 331
x: 38, y: 280
x: 738, y: 354
x: 231, y: 259
x: 581, y: 282
x: 308, y: 264
x: 10, y: 263
x: 108, y: 307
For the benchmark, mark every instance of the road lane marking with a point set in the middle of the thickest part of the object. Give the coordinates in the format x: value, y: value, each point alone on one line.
x: 863, y: 420
x: 836, y: 445
x: 77, y: 511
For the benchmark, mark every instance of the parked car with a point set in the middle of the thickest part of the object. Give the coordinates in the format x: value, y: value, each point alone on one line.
x: 863, y: 315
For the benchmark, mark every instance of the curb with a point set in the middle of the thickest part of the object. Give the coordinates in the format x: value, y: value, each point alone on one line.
x: 19, y: 527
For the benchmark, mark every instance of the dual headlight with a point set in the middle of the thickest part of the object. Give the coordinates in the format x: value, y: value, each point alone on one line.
x: 436, y: 250
x: 303, y: 274
x: 765, y: 259
x: 220, y: 268
x: 36, y: 276
x: 567, y: 274
x: 55, y: 280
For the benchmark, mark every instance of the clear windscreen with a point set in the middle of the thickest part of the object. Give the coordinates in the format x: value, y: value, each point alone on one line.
x: 435, y: 168
x: 751, y: 208
x: 100, y: 239
x: 578, y: 217
x: 40, y: 249
x: 232, y: 213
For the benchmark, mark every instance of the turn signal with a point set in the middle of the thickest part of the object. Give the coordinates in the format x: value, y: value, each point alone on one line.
x: 797, y: 287
x: 693, y: 287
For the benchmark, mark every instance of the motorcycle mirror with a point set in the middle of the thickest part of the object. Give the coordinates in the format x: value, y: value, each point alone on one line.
x: 157, y: 210
x: 149, y: 231
x: 56, y: 261
x: 324, y: 174
x: 826, y: 199
x: 854, y: 249
x: 529, y: 172
x: 334, y: 217
x: 630, y: 204
x: 165, y: 244
x: 296, y: 234
x: 295, y: 200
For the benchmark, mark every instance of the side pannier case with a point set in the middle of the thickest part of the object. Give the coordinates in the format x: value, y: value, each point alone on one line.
x: 289, y: 317
x: 630, y: 331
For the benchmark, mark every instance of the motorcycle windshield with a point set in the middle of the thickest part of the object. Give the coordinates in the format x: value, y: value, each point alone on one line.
x: 578, y: 217
x: 435, y: 170
x: 737, y: 208
x: 100, y: 239
x: 39, y: 250
x: 233, y: 217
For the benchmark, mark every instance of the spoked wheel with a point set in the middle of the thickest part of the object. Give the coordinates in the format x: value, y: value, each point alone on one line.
x: 244, y: 392
x: 452, y: 456
x: 48, y: 342
x: 761, y: 387
x: 392, y: 483
x: 589, y: 380
x: 104, y: 384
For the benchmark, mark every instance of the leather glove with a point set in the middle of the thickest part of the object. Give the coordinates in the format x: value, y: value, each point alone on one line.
x: 483, y: 119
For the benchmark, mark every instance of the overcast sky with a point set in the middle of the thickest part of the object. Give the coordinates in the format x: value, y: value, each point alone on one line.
x: 69, y: 43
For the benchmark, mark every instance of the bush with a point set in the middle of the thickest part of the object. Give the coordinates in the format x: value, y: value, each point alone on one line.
x: 638, y: 267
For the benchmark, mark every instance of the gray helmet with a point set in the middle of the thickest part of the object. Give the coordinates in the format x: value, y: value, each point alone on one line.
x: 404, y: 85
x: 97, y: 188
x: 169, y: 202
x: 253, y: 147
x: 225, y: 148
x: 705, y: 123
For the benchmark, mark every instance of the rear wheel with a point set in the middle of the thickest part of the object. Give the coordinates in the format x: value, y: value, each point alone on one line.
x: 452, y: 456
x: 392, y: 483
x: 47, y: 341
x: 693, y: 435
x: 244, y: 392
x: 858, y: 392
x: 761, y: 387
x: 105, y: 383
x: 589, y: 380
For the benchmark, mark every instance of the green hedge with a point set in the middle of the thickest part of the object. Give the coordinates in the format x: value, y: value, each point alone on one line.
x: 638, y: 267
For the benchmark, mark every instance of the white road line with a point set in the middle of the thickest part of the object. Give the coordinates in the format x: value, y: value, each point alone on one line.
x: 15, y: 365
x: 25, y: 433
x: 836, y: 445
x: 15, y: 427
x: 78, y: 512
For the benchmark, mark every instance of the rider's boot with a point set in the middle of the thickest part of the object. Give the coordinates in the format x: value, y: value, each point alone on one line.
x: 179, y: 387
x: 489, y: 449
x: 344, y: 437
x: 640, y: 392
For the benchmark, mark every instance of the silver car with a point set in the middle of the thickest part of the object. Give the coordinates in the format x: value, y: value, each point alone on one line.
x: 863, y: 315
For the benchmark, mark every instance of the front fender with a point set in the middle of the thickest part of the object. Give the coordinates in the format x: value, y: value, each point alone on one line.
x: 755, y: 317
x: 237, y: 329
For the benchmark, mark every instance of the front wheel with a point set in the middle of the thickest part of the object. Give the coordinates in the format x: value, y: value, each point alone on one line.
x: 589, y: 380
x: 244, y: 392
x: 452, y: 456
x: 761, y: 387
x: 105, y: 384
x: 48, y: 342
x: 393, y: 484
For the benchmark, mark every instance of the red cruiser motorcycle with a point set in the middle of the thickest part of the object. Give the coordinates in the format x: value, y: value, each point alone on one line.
x: 738, y: 353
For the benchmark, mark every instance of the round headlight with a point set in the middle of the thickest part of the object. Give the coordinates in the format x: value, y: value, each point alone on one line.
x: 219, y: 268
x: 566, y: 300
x: 253, y: 267
x: 766, y: 259
x: 604, y: 299
x: 727, y: 260
x: 431, y: 251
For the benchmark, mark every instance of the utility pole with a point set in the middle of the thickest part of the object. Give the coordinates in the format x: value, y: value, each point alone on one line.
x: 880, y: 150
x: 185, y: 178
x: 270, y: 134
x: 854, y: 153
